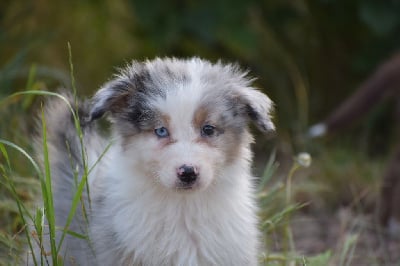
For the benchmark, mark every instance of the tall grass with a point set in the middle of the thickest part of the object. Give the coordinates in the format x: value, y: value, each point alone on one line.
x: 41, y: 228
x: 275, y: 218
x: 43, y: 223
x: 277, y: 208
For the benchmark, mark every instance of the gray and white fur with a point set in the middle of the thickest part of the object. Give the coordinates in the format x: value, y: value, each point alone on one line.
x: 175, y: 186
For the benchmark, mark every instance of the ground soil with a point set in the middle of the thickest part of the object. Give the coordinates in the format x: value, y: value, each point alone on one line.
x: 318, y: 232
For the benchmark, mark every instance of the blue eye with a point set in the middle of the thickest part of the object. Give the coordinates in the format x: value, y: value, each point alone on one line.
x: 161, y: 132
x: 207, y: 131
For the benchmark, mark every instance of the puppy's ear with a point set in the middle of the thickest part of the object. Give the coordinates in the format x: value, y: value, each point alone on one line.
x: 113, y: 96
x: 258, y: 108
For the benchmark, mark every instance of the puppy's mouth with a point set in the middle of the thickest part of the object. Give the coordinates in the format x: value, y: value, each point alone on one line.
x: 186, y: 186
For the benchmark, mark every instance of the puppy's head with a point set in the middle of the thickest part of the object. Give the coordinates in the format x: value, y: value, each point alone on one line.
x: 182, y: 122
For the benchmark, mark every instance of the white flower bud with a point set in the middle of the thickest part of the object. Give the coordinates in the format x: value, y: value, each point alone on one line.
x: 304, y: 159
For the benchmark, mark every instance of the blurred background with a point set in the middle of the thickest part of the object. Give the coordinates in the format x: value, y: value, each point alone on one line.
x: 308, y: 56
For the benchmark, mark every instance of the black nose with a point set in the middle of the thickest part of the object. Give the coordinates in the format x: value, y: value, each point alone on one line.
x: 187, y: 173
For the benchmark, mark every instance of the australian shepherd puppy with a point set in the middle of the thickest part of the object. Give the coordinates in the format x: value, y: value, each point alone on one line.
x: 174, y: 186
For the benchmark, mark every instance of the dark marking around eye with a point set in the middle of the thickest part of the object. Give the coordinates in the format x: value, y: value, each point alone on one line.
x: 208, y: 131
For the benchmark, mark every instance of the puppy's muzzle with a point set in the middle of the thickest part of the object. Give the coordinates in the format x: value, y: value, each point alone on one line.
x: 187, y: 174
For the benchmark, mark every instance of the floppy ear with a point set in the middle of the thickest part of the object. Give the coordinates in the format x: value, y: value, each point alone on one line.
x: 258, y: 107
x: 113, y: 96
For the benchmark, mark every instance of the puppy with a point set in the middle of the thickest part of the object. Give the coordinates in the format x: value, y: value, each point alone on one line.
x: 174, y: 186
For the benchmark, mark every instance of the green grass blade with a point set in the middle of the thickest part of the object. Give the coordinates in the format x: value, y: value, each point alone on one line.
x: 72, y: 233
x: 30, y: 84
x: 71, y: 69
x: 23, y: 152
x: 5, y: 154
x: 21, y: 207
x: 348, y: 249
x: 50, y: 215
x: 269, y: 170
x: 41, y: 93
x: 75, y: 201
